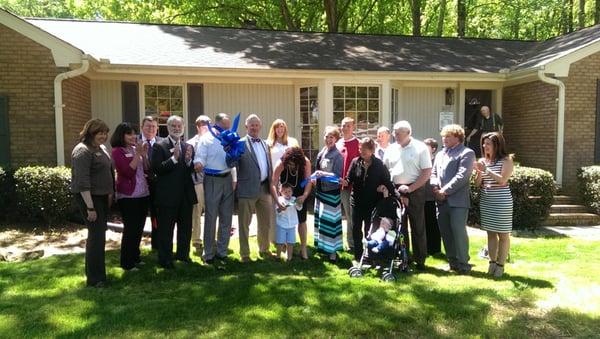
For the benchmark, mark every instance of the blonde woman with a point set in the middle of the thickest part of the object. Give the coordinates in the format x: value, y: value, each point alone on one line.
x: 279, y: 140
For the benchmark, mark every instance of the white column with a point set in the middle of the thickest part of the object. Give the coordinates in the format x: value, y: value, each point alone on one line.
x: 385, y: 105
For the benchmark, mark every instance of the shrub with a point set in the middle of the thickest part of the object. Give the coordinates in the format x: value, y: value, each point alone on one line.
x: 588, y: 182
x: 532, y: 191
x: 43, y: 194
x: 6, y: 191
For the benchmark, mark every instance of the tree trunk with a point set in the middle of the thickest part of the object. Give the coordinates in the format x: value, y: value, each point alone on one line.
x: 461, y: 16
x: 597, y: 12
x: 440, y: 24
x: 331, y: 14
x: 415, y: 9
x: 581, y: 14
x: 286, y: 16
x: 570, y: 16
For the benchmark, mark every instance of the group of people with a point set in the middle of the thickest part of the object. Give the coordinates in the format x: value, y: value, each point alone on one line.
x: 177, y: 181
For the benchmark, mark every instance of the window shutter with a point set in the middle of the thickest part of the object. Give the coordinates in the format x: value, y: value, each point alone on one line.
x: 131, y: 103
x: 195, y: 105
x: 4, y: 134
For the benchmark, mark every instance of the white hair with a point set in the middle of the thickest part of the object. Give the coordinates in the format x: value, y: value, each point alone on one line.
x: 252, y: 117
x: 383, y: 129
x: 403, y: 125
x: 174, y: 118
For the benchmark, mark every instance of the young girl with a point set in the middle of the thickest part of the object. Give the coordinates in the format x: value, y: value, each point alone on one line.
x: 286, y: 221
x: 383, y: 237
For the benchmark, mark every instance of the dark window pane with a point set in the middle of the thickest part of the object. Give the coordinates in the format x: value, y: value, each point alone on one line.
x: 373, y: 118
x: 304, y: 93
x: 338, y: 91
x: 361, y: 117
x: 163, y: 91
x: 350, y: 104
x: 337, y: 117
x: 338, y: 104
x: 150, y: 91
x: 361, y: 104
x: 176, y: 105
x: 373, y: 92
x: 350, y: 92
x: 374, y: 105
x: 150, y: 106
x: 304, y: 105
x: 361, y: 92
x: 176, y: 92
x: 314, y: 92
x: 163, y: 105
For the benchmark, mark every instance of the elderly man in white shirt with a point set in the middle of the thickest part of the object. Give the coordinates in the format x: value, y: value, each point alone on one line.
x: 219, y: 185
x: 383, y: 142
x: 409, y: 164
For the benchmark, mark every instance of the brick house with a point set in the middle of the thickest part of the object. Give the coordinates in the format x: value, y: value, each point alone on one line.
x: 56, y: 74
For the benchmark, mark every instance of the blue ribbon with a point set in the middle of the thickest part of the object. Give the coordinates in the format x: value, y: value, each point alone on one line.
x: 334, y: 179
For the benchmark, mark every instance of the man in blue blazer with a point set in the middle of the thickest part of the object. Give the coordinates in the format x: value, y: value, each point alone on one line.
x: 253, y: 190
x: 450, y: 179
x: 172, y: 163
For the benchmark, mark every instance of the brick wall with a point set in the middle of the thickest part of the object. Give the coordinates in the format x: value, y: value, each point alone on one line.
x: 580, y: 118
x: 529, y: 111
x: 77, y: 110
x: 27, y: 73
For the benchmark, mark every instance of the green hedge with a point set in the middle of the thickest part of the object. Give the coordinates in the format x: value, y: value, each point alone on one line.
x: 6, y: 189
x: 588, y: 181
x: 43, y: 193
x: 533, y: 192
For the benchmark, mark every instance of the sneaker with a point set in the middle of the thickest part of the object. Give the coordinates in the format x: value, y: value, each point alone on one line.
x: 499, y: 271
x: 492, y: 268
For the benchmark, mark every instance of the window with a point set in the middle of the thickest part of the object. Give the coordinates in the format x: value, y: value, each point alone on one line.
x: 162, y: 102
x: 309, y: 121
x: 360, y: 103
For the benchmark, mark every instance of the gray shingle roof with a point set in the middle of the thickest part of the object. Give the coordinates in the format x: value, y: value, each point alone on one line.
x: 212, y: 47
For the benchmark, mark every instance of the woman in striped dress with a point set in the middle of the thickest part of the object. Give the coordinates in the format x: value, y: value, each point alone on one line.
x: 496, y: 204
x: 328, y: 215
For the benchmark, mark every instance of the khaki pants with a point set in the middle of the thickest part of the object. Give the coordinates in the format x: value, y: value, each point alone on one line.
x: 263, y: 206
x: 197, y: 215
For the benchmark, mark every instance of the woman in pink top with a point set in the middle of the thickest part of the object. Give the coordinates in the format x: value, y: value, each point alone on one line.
x: 130, y: 158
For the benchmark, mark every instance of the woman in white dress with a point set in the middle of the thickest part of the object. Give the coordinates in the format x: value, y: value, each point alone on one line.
x: 279, y: 140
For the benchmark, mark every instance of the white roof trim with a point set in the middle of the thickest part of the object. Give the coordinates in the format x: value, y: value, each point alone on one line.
x: 63, y: 53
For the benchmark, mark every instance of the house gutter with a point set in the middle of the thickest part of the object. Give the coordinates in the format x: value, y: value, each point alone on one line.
x: 58, y: 107
x: 560, y: 128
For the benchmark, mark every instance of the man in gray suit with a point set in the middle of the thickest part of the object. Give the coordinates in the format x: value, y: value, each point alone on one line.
x: 253, y: 190
x: 450, y: 181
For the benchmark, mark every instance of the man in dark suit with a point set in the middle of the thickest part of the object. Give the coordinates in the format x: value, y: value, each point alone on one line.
x: 172, y: 163
x: 254, y: 190
x: 149, y: 136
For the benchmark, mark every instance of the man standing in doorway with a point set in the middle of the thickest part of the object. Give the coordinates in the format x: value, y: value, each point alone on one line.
x: 348, y: 147
x: 409, y: 164
x: 254, y: 190
x: 202, y: 124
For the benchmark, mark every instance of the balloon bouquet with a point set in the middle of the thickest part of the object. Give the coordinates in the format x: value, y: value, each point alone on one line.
x: 230, y: 140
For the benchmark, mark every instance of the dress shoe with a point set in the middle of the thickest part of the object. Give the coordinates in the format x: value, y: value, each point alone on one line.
x: 245, y: 259
x: 99, y: 284
x: 420, y: 267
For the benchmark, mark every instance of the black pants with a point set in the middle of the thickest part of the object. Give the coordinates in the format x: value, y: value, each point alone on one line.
x: 361, y: 222
x: 95, y: 270
x: 133, y: 211
x: 416, y: 217
x: 167, y: 217
x: 153, y: 217
x: 432, y: 229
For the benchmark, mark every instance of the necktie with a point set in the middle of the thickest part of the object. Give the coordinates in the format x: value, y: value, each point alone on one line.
x: 149, y: 149
x: 380, y: 153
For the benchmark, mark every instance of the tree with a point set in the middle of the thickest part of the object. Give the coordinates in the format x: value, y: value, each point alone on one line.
x: 461, y: 16
x: 415, y: 9
x: 581, y: 14
x: 442, y: 15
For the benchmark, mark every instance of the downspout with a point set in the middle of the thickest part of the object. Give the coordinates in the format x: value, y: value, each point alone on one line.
x: 58, y: 107
x: 560, y: 128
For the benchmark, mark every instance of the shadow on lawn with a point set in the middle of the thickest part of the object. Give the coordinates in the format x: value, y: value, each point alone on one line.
x: 311, y: 298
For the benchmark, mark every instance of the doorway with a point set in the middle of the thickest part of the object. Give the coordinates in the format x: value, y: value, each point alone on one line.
x: 474, y: 99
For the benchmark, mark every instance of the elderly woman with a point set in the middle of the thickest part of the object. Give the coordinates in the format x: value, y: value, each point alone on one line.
x: 496, y: 203
x: 369, y: 178
x: 130, y: 158
x: 328, y: 215
x: 92, y: 184
x: 293, y: 169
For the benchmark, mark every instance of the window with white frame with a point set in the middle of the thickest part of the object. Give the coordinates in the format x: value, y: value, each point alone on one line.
x: 162, y: 101
x: 309, y: 121
x: 359, y: 102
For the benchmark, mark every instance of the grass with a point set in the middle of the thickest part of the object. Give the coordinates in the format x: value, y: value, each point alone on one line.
x: 552, y: 288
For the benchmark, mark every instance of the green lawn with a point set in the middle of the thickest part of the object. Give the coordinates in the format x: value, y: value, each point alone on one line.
x: 551, y: 289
